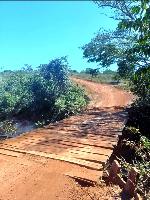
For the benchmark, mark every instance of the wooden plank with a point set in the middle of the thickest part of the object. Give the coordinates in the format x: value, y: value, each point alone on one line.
x: 72, y: 160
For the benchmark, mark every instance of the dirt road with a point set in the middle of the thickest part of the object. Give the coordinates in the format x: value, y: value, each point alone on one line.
x: 85, y: 142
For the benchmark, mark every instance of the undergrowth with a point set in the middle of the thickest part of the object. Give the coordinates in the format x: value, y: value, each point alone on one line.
x: 43, y: 95
x: 133, y: 148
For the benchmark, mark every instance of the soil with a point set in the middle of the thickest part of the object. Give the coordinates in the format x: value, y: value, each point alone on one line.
x: 84, y: 141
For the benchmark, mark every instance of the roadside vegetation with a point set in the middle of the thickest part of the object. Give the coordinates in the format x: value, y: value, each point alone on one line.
x: 129, y: 47
x: 107, y: 76
x: 42, y: 96
x: 47, y: 94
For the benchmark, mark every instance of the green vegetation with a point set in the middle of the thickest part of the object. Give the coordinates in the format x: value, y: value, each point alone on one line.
x: 107, y: 76
x: 133, y: 151
x: 7, y: 128
x: 45, y: 94
x: 129, y: 47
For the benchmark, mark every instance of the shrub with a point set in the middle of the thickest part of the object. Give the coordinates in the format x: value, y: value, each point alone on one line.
x: 141, y: 85
x: 43, y: 93
x: 72, y: 102
x: 7, y: 128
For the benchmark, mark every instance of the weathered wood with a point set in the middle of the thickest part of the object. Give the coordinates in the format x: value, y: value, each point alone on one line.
x: 84, y: 163
x: 129, y: 188
x: 114, y: 170
x: 133, y: 175
x: 119, y: 181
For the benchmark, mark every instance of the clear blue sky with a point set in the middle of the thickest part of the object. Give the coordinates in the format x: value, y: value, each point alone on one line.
x: 35, y: 32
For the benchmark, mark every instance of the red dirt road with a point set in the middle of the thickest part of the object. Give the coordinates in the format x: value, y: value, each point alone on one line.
x: 84, y: 141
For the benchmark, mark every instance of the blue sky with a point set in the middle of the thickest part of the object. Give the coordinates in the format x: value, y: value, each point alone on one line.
x: 35, y: 32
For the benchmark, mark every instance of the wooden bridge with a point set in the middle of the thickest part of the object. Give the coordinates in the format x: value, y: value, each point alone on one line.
x: 86, y: 140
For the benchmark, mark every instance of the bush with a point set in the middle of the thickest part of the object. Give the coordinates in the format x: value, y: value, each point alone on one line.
x: 43, y: 93
x: 72, y: 102
x: 141, y: 85
x: 139, y: 117
x: 15, y: 94
x: 7, y: 128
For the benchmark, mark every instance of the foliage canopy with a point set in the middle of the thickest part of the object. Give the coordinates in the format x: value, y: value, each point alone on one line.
x: 128, y: 45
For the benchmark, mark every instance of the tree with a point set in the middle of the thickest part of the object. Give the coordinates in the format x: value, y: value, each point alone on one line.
x: 108, y: 47
x: 141, y: 49
x: 27, y: 68
x: 92, y: 72
x: 124, y: 70
x: 57, y: 71
x: 121, y: 9
x: 134, y: 21
x: 129, y: 45
x: 109, y: 71
x: 112, y: 47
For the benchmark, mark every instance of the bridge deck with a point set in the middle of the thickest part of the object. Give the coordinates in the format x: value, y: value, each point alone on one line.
x: 86, y: 140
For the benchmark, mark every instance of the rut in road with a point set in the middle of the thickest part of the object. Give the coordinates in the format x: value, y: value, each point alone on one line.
x: 86, y: 139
